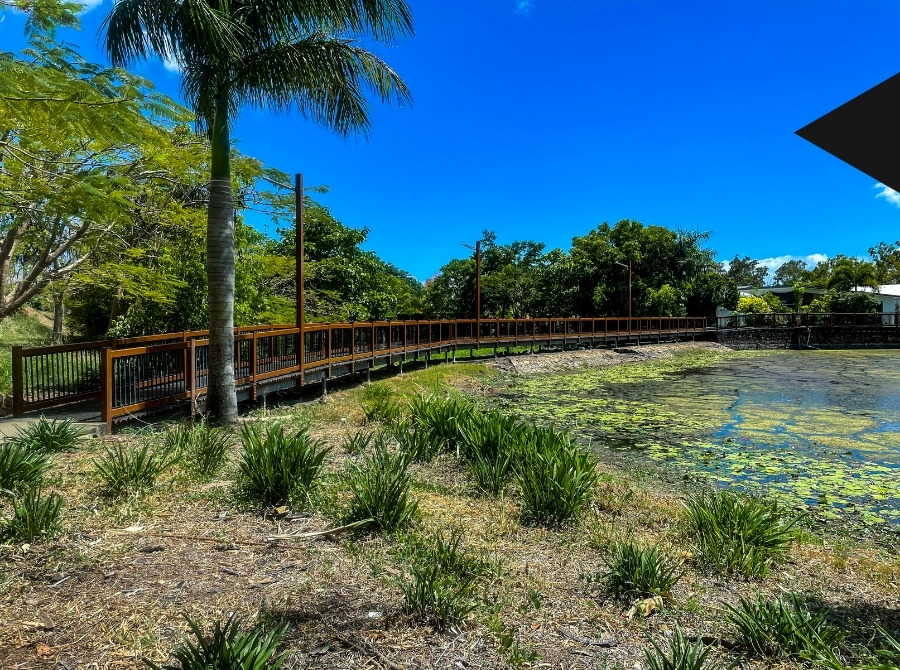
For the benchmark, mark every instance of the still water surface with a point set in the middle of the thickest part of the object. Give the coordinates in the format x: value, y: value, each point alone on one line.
x: 821, y: 427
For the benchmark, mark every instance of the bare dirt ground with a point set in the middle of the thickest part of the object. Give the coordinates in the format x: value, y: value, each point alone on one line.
x: 559, y: 361
x: 113, y: 588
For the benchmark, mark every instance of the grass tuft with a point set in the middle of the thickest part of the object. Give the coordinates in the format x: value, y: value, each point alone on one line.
x: 227, y: 649
x: 203, y: 448
x: 20, y: 468
x: 380, y: 485
x: 440, y: 583
x: 556, y: 477
x: 416, y: 441
x: 35, y: 517
x: 634, y: 570
x: 276, y: 466
x: 734, y: 533
x: 679, y: 654
x: 129, y: 470
x: 357, y: 443
x: 783, y: 628
x: 49, y: 437
x: 380, y: 404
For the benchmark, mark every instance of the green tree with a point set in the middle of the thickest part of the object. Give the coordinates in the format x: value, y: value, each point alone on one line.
x: 81, y: 147
x: 887, y: 262
x: 852, y: 273
x: 747, y: 272
x: 272, y: 55
x: 790, y: 272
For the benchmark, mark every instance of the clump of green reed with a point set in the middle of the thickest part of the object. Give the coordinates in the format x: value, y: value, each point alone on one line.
x: 416, y: 441
x: 783, y: 628
x: 227, y: 648
x: 35, y: 516
x: 634, y: 570
x: 380, y: 404
x: 556, y: 477
x: 358, y: 442
x: 201, y: 447
x: 48, y: 437
x: 489, y: 443
x: 21, y: 469
x: 380, y: 485
x: 125, y: 469
x: 440, y: 583
x: 679, y: 654
x: 442, y: 416
x: 734, y: 533
x: 276, y: 466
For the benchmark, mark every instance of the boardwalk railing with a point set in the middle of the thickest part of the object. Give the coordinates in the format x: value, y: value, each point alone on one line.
x: 137, y: 375
x: 809, y: 320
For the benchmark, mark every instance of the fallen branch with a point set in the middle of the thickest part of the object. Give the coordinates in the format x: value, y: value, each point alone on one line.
x: 589, y: 641
x: 321, y: 533
x: 366, y: 648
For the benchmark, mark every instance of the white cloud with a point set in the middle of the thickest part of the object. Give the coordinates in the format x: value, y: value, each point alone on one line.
x: 777, y: 261
x: 524, y: 7
x: 171, y: 65
x: 888, y: 194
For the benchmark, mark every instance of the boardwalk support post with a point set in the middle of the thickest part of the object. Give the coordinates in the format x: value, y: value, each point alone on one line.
x: 18, y: 382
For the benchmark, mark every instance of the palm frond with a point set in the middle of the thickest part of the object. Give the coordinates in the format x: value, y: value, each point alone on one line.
x: 276, y: 20
x: 324, y: 77
x: 181, y: 29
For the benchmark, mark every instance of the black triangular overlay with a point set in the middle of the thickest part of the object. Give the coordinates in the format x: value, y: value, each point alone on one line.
x: 864, y: 132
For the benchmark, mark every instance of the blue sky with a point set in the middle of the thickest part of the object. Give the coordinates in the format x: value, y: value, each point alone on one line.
x: 541, y: 119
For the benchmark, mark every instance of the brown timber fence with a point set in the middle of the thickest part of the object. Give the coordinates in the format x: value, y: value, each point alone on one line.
x: 136, y: 375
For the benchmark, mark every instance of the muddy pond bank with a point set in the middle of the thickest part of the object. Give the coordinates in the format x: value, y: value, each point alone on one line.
x: 818, y: 428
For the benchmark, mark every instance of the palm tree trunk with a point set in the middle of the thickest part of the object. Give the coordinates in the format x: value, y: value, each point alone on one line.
x: 221, y: 400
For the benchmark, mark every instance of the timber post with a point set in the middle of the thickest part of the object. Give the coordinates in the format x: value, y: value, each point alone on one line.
x: 18, y: 382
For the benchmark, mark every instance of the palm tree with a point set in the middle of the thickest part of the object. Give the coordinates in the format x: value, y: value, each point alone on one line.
x: 268, y: 54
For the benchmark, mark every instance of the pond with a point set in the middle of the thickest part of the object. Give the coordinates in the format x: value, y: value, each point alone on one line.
x: 818, y: 427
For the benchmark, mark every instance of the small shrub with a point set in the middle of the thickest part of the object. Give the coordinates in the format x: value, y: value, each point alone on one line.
x: 782, y: 628
x: 48, y: 437
x: 35, y: 516
x: 491, y: 474
x: 124, y: 470
x: 680, y: 654
x: 633, y: 570
x: 555, y: 476
x: 416, y: 441
x: 441, y: 581
x: 442, y: 417
x: 489, y: 435
x: 736, y: 533
x: 201, y: 447
x: 276, y: 466
x: 380, y: 485
x: 20, y: 468
x: 432, y: 595
x: 358, y: 442
x: 380, y: 404
x: 227, y: 649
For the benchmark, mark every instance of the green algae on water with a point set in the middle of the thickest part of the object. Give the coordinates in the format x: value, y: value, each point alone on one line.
x: 815, y: 427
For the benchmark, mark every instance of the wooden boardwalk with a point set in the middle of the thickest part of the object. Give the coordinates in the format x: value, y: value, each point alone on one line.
x: 134, y: 376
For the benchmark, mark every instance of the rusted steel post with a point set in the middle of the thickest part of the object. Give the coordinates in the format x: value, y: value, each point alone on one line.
x: 191, y: 374
x: 253, y: 363
x: 300, y: 296
x: 106, y: 386
x: 18, y: 381
x: 478, y: 293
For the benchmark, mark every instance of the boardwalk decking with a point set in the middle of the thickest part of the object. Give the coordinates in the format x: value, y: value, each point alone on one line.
x: 137, y: 375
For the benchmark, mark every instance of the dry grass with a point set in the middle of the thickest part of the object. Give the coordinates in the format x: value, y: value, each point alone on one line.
x: 113, y: 588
